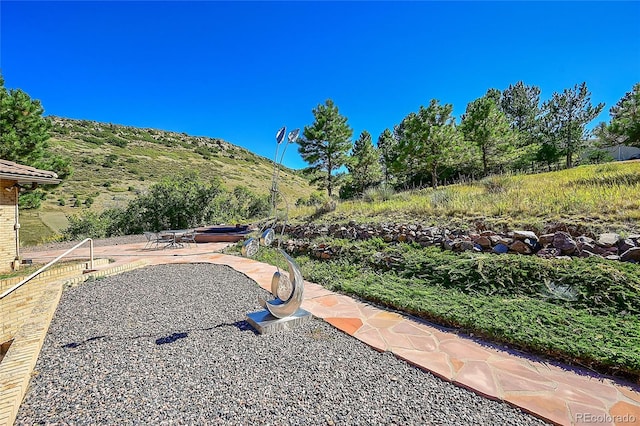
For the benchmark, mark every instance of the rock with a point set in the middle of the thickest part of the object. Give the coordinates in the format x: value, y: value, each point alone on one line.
x: 483, y: 242
x: 402, y: 238
x: 626, y: 244
x: 546, y: 239
x: 520, y: 247
x: 487, y: 233
x: 500, y: 248
x: 549, y: 252
x: 583, y: 239
x: 608, y: 240
x: 631, y: 255
x: 447, y: 245
x: 533, y: 244
x: 522, y: 235
x: 466, y: 246
x: 612, y: 257
x: 563, y: 242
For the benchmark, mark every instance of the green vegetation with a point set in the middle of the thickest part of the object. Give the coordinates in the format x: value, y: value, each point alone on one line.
x: 174, y: 203
x: 325, y: 145
x: 593, y: 198
x: 584, y: 311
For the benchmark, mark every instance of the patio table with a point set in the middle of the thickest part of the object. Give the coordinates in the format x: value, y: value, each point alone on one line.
x: 175, y: 237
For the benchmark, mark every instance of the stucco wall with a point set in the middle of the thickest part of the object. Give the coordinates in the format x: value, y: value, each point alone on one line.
x: 7, y: 221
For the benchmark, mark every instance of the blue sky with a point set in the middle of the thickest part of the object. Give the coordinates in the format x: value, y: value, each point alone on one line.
x: 241, y: 70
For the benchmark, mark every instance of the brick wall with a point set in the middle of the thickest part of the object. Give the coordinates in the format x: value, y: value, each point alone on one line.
x: 7, y: 221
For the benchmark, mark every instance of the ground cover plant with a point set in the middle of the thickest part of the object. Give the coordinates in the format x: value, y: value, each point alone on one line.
x: 582, y: 311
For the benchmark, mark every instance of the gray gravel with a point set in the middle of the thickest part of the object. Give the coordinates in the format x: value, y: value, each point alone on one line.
x: 169, y: 345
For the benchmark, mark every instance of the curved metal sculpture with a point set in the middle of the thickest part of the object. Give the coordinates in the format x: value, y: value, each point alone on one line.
x: 283, y: 308
x: 287, y: 293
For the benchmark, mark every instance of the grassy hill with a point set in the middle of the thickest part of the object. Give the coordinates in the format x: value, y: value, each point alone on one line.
x: 113, y: 163
x: 591, y: 198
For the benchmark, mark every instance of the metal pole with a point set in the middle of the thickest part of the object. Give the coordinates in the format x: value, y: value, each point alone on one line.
x: 16, y: 226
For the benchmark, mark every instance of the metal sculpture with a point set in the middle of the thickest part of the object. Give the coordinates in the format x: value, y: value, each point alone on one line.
x: 287, y: 291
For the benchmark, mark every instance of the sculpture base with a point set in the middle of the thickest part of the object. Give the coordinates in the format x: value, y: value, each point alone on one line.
x: 265, y: 323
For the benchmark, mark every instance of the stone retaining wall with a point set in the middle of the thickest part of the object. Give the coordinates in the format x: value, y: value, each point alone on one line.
x: 554, y: 244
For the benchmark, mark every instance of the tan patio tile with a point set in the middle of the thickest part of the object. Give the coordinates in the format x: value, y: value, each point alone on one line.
x: 442, y: 336
x: 434, y: 362
x: 372, y: 337
x: 547, y: 407
x: 579, y: 395
x: 514, y: 383
x: 412, y: 328
x: 327, y: 300
x: 633, y: 395
x: 583, y: 415
x: 423, y: 343
x: 603, y: 388
x: 465, y: 350
x: 477, y: 375
x: 520, y: 368
x: 395, y: 340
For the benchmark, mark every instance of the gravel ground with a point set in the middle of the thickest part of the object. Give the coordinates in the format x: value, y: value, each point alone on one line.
x: 169, y: 345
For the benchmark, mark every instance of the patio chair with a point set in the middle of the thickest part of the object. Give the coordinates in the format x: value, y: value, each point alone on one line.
x: 188, y: 238
x: 154, y: 240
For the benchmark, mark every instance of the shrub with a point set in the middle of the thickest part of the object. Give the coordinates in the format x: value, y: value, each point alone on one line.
x: 377, y: 194
x: 31, y: 199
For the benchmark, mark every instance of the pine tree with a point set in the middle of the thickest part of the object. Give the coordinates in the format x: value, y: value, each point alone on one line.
x: 387, y: 150
x: 486, y: 126
x: 325, y: 145
x: 565, y: 118
x: 363, y: 164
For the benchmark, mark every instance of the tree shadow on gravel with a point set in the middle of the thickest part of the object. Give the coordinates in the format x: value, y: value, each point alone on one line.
x: 171, y: 338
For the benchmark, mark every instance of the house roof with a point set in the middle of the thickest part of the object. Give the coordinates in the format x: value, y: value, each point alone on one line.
x: 26, y: 174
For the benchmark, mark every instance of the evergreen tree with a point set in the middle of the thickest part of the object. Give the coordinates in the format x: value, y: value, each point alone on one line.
x: 24, y: 132
x: 363, y: 164
x: 387, y: 149
x: 325, y: 145
x: 430, y: 136
x: 521, y: 105
x: 624, y: 127
x: 565, y: 118
x: 487, y: 127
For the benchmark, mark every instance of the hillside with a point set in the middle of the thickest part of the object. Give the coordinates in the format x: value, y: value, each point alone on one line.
x: 113, y: 163
x: 589, y: 198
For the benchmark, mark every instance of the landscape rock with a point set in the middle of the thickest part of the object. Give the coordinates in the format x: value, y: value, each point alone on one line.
x: 608, y: 240
x: 500, y: 248
x: 546, y: 239
x: 631, y: 255
x: 626, y: 244
x: 483, y: 242
x: 563, y: 242
x: 548, y: 252
x: 520, y: 247
x: 522, y: 235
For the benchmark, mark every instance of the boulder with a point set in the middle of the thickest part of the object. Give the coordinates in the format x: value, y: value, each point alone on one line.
x: 626, y: 244
x: 500, y: 248
x: 563, y: 242
x: 520, y: 247
x: 466, y: 246
x: 522, y: 235
x: 631, y: 255
x: 608, y: 240
x: 483, y: 242
x: 549, y: 252
x: 546, y: 239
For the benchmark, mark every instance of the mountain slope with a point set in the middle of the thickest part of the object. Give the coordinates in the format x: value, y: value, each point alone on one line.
x: 113, y: 163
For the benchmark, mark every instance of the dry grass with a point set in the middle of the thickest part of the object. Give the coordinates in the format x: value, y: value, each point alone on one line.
x: 603, y: 194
